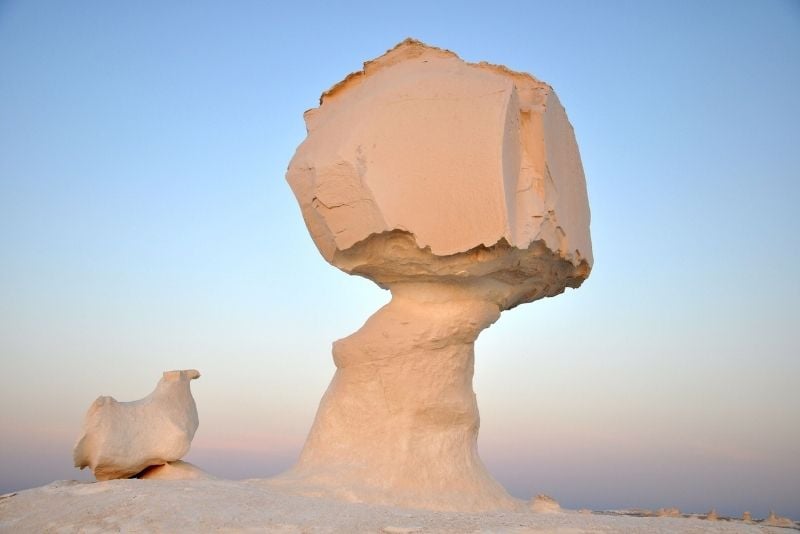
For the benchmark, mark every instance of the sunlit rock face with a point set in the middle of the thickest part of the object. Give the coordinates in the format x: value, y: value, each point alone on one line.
x: 459, y: 187
x: 121, y: 439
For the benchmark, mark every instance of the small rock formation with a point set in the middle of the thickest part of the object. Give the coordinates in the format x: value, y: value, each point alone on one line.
x: 747, y: 517
x: 712, y: 515
x: 177, y: 470
x: 775, y: 520
x: 545, y: 504
x: 459, y: 188
x: 668, y: 512
x: 121, y: 439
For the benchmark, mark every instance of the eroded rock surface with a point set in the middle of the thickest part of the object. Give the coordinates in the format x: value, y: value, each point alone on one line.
x: 459, y: 187
x: 121, y: 439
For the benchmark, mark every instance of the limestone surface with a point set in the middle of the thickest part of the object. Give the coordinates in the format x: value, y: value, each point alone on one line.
x: 458, y: 187
x: 121, y: 439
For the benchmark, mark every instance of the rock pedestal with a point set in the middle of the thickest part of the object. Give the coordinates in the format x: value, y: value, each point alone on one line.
x: 400, y: 417
x: 459, y: 188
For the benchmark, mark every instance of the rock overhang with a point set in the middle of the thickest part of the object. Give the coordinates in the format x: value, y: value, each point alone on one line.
x: 502, y: 273
x: 463, y: 159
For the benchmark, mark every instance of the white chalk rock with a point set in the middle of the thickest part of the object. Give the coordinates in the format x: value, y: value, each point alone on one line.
x: 775, y: 520
x: 459, y: 187
x: 545, y: 504
x: 121, y: 439
x: 458, y: 155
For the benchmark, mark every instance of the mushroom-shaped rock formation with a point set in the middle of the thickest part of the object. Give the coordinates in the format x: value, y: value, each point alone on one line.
x: 458, y: 187
x: 121, y: 439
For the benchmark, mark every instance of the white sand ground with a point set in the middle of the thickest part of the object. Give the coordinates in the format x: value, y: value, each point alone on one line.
x: 258, y: 506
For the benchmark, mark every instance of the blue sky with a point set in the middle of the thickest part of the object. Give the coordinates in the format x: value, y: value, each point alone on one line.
x: 145, y: 225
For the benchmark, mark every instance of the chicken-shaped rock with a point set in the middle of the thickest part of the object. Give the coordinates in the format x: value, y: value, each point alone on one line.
x: 121, y: 439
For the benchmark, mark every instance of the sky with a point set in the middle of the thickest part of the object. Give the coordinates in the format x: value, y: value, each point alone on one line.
x: 146, y: 225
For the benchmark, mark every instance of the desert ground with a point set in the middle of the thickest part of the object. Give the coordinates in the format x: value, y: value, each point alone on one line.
x: 133, y: 505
